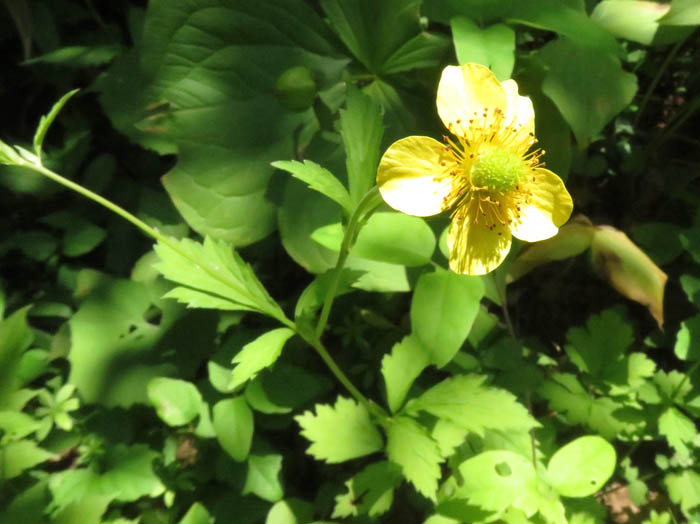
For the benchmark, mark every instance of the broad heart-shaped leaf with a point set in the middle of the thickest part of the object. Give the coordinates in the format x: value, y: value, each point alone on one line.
x: 208, y: 69
x: 500, y: 480
x: 467, y: 402
x: 213, y: 275
x: 340, y: 432
x: 262, y: 478
x: 443, y: 309
x: 399, y: 369
x: 233, y: 424
x: 678, y: 429
x: 493, y: 46
x: 582, y: 467
x: 553, y: 15
x: 177, y: 402
x: 370, y: 492
x: 600, y: 344
x: 319, y: 179
x: 390, y: 237
x: 259, y: 354
x: 587, y: 101
x: 410, y: 446
x: 127, y: 476
x: 361, y: 125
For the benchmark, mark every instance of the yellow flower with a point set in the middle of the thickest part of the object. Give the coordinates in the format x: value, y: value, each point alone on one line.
x: 486, y: 175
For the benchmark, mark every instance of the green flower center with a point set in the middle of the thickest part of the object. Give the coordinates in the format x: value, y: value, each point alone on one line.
x: 499, y: 170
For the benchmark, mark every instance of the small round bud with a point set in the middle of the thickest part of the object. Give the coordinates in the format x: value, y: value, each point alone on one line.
x: 296, y: 88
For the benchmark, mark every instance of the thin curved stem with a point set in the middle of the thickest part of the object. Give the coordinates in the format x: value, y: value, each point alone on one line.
x: 363, y: 211
x: 657, y: 78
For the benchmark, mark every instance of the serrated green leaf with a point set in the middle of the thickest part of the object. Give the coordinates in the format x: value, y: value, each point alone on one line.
x: 359, y: 436
x: 390, y: 237
x: 581, y: 467
x: 465, y: 401
x: 233, y: 424
x: 258, y: 354
x: 499, y: 480
x: 85, y: 510
x: 678, y: 429
x: 370, y: 492
x: 177, y: 402
x: 492, y: 46
x: 399, y: 369
x: 319, y: 179
x: 684, y: 488
x: 47, y: 120
x: 215, y: 269
x: 411, y: 447
x: 448, y: 435
x: 602, y: 342
x: 262, y: 478
x: 443, y: 309
x: 361, y: 125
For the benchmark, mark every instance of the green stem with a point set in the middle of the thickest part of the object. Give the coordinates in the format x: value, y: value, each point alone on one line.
x: 373, y: 408
x: 363, y: 211
x: 359, y: 216
x: 656, y: 80
x: 154, y: 233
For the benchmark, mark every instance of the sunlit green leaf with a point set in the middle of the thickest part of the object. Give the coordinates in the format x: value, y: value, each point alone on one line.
x: 467, y: 402
x: 400, y: 368
x: 258, y: 354
x: 233, y: 423
x: 581, y: 467
x: 411, y: 447
x: 443, y: 309
x: 370, y: 492
x: 358, y: 437
x: 177, y: 402
x: 493, y: 46
x: 262, y: 478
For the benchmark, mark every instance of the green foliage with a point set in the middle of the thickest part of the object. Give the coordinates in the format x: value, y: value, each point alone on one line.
x: 164, y: 383
x: 359, y: 437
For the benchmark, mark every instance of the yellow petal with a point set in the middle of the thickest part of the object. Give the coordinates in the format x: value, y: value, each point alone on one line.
x: 549, y: 207
x: 474, y: 248
x: 465, y: 90
x: 410, y: 176
x: 519, y: 110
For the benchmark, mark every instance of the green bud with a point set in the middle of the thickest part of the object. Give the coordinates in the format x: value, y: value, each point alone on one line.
x: 296, y: 88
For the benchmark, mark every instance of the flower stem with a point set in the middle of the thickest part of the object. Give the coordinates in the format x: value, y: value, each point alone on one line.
x: 360, y: 215
x: 363, y: 211
x: 656, y: 80
x: 152, y: 232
